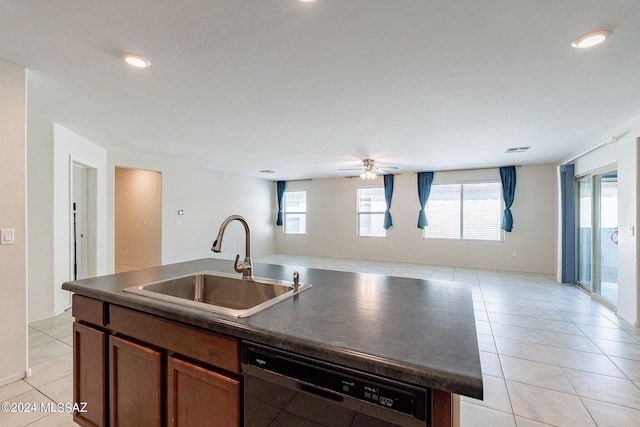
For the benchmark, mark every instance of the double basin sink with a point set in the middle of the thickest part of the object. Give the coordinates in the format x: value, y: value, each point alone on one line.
x: 220, y: 293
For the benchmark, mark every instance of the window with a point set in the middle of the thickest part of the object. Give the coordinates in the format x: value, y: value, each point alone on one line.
x: 294, y: 208
x: 371, y: 207
x: 470, y: 211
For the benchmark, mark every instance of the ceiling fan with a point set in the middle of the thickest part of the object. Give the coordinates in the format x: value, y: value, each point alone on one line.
x: 369, y: 169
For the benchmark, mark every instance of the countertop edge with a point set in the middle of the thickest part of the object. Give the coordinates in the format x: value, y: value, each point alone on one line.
x: 452, y: 382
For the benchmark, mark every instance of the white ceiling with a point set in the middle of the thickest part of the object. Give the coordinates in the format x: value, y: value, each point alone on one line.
x: 307, y: 88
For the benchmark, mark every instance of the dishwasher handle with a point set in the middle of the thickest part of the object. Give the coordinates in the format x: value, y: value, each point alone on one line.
x: 320, y: 392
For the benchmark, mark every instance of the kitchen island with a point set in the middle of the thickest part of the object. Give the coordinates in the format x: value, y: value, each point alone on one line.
x: 417, y: 332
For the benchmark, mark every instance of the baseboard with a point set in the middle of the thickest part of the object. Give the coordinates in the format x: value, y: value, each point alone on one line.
x: 49, y: 316
x: 63, y: 310
x: 628, y: 318
x: 54, y: 314
x: 14, y: 378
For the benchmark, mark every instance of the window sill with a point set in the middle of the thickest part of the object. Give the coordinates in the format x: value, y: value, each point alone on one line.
x: 463, y: 240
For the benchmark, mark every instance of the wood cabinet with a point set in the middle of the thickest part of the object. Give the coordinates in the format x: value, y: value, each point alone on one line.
x: 89, y: 375
x: 137, y: 369
x: 195, y: 396
x: 445, y: 409
x: 135, y: 384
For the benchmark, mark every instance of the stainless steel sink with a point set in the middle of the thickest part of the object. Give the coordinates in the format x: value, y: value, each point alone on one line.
x: 220, y: 293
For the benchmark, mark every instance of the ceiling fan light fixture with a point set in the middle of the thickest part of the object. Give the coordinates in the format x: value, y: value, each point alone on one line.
x: 368, y: 175
x: 591, y: 39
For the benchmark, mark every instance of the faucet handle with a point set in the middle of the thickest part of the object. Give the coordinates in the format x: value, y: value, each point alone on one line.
x: 296, y: 281
x: 235, y: 264
x: 246, y: 267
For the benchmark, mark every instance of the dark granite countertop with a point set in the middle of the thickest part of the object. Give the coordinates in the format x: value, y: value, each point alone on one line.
x: 416, y: 331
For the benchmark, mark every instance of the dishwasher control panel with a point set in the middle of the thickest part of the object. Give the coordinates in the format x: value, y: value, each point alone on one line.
x: 333, y: 381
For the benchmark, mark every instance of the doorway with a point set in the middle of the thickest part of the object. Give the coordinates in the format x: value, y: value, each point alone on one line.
x: 83, y: 219
x: 78, y: 231
x: 598, y: 234
x: 138, y: 219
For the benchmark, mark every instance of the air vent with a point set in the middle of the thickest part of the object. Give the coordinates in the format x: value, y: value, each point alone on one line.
x: 266, y: 171
x: 517, y: 150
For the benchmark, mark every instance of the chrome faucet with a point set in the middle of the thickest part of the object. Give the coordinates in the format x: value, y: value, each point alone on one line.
x: 246, y: 267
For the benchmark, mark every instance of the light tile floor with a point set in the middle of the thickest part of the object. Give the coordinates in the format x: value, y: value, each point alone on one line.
x: 50, y: 359
x: 551, y: 356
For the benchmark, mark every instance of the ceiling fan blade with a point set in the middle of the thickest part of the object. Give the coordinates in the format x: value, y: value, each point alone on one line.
x: 370, y: 165
x: 385, y: 170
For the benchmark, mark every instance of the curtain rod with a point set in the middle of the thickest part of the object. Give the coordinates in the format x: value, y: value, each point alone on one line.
x: 591, y: 150
x: 471, y: 169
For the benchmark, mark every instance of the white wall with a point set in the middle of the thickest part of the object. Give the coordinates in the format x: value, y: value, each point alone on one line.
x: 69, y: 148
x: 207, y: 198
x: 624, y: 155
x: 51, y: 151
x: 13, y: 258
x: 40, y: 218
x: 331, y: 224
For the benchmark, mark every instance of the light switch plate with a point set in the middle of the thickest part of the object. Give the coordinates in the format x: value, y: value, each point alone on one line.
x: 631, y: 230
x: 7, y: 236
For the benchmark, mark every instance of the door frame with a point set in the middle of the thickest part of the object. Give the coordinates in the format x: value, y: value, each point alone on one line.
x: 89, y: 216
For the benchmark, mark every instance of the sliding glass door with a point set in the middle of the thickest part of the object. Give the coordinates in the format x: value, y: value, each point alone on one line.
x: 606, y: 236
x: 598, y: 234
x: 585, y: 208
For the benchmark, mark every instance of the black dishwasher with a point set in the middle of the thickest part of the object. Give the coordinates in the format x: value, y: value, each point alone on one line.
x: 283, y: 389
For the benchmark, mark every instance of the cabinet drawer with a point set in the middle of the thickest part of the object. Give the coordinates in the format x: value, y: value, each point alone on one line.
x: 214, y: 349
x: 88, y: 310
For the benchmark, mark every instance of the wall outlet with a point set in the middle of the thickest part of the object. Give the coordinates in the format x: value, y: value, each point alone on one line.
x: 514, y: 253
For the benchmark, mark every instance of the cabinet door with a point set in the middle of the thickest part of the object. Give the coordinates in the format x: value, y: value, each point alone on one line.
x: 444, y: 409
x: 135, y: 384
x: 199, y: 397
x: 89, y: 375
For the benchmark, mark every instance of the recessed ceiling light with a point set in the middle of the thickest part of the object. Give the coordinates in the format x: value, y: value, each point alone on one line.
x: 306, y: 1
x: 136, y: 60
x: 591, y: 39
